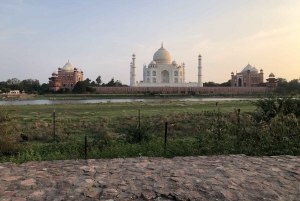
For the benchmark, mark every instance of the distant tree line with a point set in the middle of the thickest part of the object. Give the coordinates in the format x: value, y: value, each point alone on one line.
x: 28, y: 85
x: 285, y: 87
x: 213, y: 84
x: 33, y: 86
x: 86, y: 86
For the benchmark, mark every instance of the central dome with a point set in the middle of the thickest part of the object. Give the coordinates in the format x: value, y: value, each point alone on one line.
x: 162, y: 56
x: 68, y: 67
x: 249, y: 67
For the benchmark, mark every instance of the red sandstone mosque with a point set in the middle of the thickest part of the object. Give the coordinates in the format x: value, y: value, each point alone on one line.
x: 250, y: 77
x: 66, y: 77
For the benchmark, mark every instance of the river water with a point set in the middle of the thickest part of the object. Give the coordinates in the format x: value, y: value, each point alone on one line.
x: 51, y: 102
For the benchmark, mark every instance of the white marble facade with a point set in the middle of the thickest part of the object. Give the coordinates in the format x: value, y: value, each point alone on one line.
x: 161, y: 71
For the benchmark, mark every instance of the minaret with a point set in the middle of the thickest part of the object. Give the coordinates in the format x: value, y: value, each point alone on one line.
x: 183, y: 69
x: 199, y: 71
x: 133, y: 71
x: 130, y: 74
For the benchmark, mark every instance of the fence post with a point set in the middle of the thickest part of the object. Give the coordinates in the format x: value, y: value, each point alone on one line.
x: 238, y: 134
x: 219, y: 126
x: 166, y: 133
x: 54, y: 125
x: 85, y: 147
x: 140, y: 138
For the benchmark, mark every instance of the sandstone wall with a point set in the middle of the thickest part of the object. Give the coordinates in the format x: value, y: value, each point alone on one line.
x: 230, y: 90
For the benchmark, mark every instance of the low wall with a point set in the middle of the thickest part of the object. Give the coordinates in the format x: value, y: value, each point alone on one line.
x: 144, y: 84
x: 178, y: 90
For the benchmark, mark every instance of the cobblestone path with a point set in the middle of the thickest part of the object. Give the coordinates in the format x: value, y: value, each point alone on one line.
x: 233, y: 177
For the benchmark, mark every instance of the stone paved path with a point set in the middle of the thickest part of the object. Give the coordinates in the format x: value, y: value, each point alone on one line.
x: 234, y: 177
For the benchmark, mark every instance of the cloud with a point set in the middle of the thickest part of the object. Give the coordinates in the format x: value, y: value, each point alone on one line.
x: 262, y: 34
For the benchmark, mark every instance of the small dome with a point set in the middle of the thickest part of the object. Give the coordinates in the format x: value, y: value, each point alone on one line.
x: 254, y: 70
x: 55, y: 73
x: 152, y: 63
x: 68, y: 67
x: 271, y: 75
x: 174, y: 63
x: 162, y: 56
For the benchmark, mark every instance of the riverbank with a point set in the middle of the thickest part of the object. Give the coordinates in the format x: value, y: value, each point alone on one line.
x: 70, y: 96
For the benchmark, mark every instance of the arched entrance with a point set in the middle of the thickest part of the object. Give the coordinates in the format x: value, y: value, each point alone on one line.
x: 165, y: 76
x: 240, y: 82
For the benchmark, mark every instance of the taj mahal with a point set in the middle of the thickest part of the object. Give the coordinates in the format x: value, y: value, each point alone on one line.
x: 162, y: 75
x: 163, y: 72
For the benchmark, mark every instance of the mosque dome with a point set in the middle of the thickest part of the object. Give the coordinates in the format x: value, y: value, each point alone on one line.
x: 162, y: 56
x: 271, y: 75
x: 68, y: 67
x: 249, y: 67
x: 55, y: 73
x: 254, y: 70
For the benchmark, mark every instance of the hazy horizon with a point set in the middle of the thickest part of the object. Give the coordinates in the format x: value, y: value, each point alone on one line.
x: 99, y: 37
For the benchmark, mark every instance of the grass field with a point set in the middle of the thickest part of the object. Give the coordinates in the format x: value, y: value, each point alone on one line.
x: 194, y: 128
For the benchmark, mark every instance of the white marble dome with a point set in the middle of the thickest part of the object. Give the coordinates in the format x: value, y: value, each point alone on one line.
x: 68, y: 67
x: 152, y: 63
x: 162, y: 56
x: 55, y: 73
x: 174, y: 63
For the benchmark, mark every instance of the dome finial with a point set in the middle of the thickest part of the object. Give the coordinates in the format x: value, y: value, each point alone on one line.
x: 162, y: 45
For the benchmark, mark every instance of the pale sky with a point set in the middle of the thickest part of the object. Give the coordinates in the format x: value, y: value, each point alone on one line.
x: 99, y: 37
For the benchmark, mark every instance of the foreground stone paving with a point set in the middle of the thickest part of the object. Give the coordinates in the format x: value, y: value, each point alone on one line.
x: 233, y: 177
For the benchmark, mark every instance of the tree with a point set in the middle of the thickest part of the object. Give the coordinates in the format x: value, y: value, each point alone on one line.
x: 93, y: 83
x: 5, y: 90
x: 29, y: 85
x: 210, y: 84
x: 80, y: 87
x: 226, y: 84
x: 118, y: 83
x: 294, y: 85
x: 111, y: 83
x: 13, y: 83
x: 87, y: 82
x: 98, y: 80
x: 90, y: 89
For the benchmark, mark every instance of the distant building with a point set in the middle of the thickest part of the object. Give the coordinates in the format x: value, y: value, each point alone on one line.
x: 65, y: 77
x: 272, y: 82
x: 163, y: 72
x: 250, y: 77
x: 14, y: 92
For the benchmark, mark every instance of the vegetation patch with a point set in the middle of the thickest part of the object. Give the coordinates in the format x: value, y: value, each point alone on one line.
x: 265, y: 127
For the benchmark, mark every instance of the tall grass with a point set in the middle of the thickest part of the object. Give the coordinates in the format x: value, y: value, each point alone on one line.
x: 206, y: 132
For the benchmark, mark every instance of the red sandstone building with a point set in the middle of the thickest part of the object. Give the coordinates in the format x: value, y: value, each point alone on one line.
x: 250, y: 77
x: 65, y: 78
